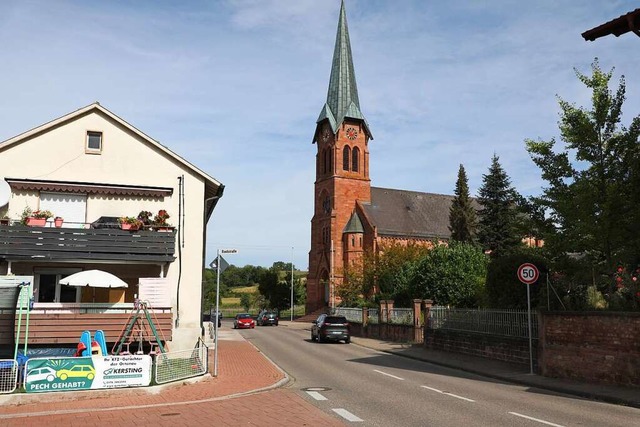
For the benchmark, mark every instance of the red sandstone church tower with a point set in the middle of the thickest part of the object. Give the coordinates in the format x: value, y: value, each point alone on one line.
x: 342, y: 177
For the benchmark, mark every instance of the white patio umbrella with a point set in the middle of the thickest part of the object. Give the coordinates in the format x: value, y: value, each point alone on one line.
x: 94, y: 279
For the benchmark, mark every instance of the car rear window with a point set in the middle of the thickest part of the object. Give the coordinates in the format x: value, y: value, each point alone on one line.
x: 335, y: 319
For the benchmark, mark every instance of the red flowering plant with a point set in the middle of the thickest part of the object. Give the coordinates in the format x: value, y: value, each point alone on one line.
x: 161, y: 218
x: 626, y: 289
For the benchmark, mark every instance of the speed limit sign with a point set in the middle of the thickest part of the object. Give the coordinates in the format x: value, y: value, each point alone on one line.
x: 528, y: 273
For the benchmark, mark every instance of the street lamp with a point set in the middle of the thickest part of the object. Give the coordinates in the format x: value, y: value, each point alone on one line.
x: 292, y: 305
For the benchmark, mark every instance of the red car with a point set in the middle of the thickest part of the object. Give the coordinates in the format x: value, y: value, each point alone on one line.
x: 243, y: 321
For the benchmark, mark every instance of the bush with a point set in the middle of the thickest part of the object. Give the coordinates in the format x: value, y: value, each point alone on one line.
x: 451, y: 275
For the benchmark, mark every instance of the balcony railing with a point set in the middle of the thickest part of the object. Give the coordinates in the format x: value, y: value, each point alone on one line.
x: 18, y: 242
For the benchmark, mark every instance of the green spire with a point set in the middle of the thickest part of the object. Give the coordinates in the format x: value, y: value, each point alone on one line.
x: 354, y: 225
x: 342, y: 97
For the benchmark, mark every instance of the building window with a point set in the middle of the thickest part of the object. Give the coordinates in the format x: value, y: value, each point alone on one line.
x: 346, y: 158
x: 327, y: 161
x: 355, y: 158
x: 94, y: 142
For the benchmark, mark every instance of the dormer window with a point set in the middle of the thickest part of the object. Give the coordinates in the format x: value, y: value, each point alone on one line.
x: 94, y: 142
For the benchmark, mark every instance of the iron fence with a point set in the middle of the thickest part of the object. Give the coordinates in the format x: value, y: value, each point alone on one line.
x: 178, y: 365
x: 373, y: 316
x: 401, y: 316
x: 510, y: 323
x: 353, y: 315
x: 8, y: 375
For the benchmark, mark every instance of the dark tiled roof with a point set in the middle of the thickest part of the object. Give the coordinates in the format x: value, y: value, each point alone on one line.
x: 621, y: 25
x: 402, y: 213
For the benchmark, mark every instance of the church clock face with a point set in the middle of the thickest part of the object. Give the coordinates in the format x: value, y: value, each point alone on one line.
x: 325, y: 135
x: 352, y: 133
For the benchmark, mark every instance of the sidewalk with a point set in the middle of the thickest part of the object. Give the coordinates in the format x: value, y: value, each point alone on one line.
x: 496, y: 369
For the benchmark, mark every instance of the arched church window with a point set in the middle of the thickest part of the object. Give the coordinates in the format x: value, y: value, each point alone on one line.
x: 355, y: 159
x: 326, y: 161
x: 346, y: 158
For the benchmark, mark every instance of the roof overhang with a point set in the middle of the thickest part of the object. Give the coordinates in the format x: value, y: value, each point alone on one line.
x: 621, y: 25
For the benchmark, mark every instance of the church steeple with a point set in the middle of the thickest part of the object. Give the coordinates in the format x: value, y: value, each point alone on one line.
x: 342, y: 96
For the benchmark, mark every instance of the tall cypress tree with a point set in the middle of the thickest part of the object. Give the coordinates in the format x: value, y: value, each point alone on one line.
x: 462, y: 216
x: 497, y: 225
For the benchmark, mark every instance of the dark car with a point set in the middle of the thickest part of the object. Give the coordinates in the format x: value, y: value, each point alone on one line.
x: 211, y: 317
x: 330, y: 328
x: 267, y: 317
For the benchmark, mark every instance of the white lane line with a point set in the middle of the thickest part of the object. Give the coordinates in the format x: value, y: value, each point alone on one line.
x: 447, y: 393
x: 316, y: 395
x: 347, y: 415
x: 535, y: 419
x: 389, y: 375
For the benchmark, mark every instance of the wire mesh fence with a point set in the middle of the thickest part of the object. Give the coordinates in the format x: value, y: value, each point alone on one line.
x: 8, y: 375
x: 178, y: 365
x: 510, y: 323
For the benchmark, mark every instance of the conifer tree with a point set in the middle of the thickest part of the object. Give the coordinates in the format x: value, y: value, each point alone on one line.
x: 497, y: 225
x: 462, y: 215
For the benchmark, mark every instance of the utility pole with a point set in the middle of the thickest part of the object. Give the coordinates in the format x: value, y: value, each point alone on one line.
x: 331, y: 290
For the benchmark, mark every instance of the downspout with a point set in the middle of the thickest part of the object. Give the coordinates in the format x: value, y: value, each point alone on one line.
x: 180, y: 185
x: 206, y: 215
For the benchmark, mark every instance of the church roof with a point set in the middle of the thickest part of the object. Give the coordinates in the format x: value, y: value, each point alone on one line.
x: 354, y: 225
x: 402, y: 213
x: 342, y: 96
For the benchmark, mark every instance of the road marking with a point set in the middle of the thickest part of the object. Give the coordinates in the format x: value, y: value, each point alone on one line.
x: 536, y: 419
x: 448, y: 394
x: 389, y: 375
x: 316, y: 395
x: 347, y: 415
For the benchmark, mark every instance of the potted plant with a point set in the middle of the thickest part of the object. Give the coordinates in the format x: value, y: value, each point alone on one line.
x: 145, y: 217
x: 160, y: 221
x: 4, y: 218
x: 37, y: 218
x: 58, y: 221
x: 129, y: 223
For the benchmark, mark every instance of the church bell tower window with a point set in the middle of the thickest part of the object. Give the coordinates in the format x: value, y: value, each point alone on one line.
x: 355, y: 159
x: 346, y: 158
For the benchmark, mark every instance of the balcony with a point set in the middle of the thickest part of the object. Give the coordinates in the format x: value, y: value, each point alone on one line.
x: 22, y: 243
x: 63, y: 323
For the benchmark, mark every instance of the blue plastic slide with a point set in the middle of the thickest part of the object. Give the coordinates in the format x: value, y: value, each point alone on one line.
x: 85, y: 339
x: 99, y: 338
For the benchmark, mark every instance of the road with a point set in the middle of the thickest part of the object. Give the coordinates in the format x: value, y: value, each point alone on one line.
x: 368, y: 387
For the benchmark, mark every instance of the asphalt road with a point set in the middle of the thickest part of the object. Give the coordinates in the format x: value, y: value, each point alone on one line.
x: 367, y: 387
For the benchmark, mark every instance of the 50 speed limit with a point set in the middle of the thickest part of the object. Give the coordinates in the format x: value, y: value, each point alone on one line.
x: 528, y: 273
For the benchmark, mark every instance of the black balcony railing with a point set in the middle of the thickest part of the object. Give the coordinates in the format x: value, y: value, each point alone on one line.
x: 19, y: 242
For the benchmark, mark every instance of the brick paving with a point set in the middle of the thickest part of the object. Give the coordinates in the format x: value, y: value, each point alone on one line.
x: 245, y: 393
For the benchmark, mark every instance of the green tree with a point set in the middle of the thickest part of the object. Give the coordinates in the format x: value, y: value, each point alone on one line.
x: 462, y: 215
x: 497, y: 229
x: 592, y: 195
x: 274, y: 287
x: 451, y: 274
x: 245, y: 301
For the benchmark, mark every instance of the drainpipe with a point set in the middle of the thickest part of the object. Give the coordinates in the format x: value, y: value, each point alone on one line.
x: 206, y: 215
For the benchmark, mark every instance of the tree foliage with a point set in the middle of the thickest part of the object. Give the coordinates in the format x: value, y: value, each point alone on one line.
x: 462, y: 215
x: 451, y: 274
x: 592, y: 195
x: 273, y: 285
x: 504, y: 289
x: 497, y: 228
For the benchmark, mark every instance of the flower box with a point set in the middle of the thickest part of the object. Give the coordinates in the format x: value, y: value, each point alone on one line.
x: 36, y: 222
x: 130, y: 227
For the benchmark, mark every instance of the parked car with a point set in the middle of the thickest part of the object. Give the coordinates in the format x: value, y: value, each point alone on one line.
x: 211, y: 317
x: 243, y: 321
x: 267, y: 317
x: 330, y: 328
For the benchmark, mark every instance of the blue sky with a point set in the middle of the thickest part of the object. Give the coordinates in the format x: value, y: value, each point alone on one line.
x: 235, y: 87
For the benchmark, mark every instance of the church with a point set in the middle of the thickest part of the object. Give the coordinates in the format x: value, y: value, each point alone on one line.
x: 350, y: 216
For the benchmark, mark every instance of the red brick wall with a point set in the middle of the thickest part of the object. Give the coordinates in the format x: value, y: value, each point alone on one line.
x: 602, y: 347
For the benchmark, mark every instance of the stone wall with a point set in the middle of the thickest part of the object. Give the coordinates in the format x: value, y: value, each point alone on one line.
x: 602, y: 347
x: 514, y: 350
